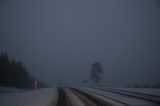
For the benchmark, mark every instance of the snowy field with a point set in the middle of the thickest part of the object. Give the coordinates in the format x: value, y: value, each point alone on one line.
x: 150, y: 91
x: 18, y: 97
x: 125, y: 99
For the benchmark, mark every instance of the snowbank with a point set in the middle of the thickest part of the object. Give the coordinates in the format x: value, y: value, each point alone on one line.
x: 41, y: 97
x: 125, y: 99
x: 150, y: 91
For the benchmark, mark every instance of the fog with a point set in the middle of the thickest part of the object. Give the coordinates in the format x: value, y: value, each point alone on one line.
x: 58, y: 40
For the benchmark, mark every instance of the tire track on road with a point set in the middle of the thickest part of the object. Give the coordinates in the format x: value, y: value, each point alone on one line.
x: 62, y: 98
x: 142, y: 96
x: 98, y: 101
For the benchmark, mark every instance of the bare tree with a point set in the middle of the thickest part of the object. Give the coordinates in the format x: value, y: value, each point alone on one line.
x: 96, y: 72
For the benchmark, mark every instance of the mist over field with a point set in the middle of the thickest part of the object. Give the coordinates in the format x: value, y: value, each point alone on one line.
x: 59, y: 40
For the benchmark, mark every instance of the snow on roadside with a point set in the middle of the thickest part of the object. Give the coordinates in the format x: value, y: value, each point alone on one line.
x: 41, y: 97
x: 150, y: 91
x: 126, y: 99
x: 11, y: 90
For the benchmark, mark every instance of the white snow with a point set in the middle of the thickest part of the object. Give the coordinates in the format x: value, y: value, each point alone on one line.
x: 75, y: 101
x: 125, y: 99
x: 49, y: 96
x: 150, y: 91
x: 108, y: 100
x: 41, y: 97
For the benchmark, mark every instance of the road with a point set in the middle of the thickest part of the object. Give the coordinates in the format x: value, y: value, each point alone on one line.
x: 103, y: 97
x: 80, y: 96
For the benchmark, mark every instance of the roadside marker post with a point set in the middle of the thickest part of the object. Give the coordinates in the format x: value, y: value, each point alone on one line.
x: 35, y: 84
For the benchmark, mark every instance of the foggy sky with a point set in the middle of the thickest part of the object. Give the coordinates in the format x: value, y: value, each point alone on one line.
x: 58, y: 40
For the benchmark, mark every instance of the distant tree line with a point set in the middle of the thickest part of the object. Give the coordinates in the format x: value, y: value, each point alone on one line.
x: 15, y: 74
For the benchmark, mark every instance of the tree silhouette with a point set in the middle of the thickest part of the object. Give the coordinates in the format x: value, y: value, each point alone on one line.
x: 15, y: 74
x: 96, y: 72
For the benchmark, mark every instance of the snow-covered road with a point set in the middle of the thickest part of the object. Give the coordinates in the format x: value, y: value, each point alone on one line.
x: 73, y: 97
x: 126, y: 99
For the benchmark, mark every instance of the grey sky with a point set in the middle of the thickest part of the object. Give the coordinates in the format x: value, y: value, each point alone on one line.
x: 57, y: 40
